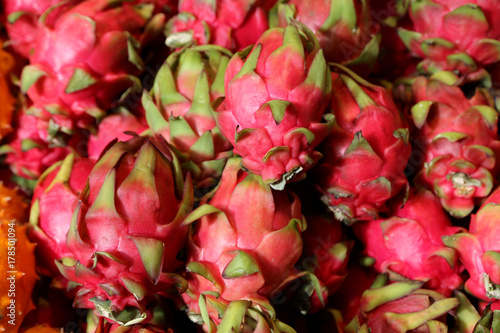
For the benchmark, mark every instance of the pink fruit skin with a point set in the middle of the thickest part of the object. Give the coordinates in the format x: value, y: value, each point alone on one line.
x: 23, y: 33
x: 325, y: 252
x: 230, y: 24
x: 102, y: 52
x: 143, y: 211
x: 350, y: 189
x: 281, y: 74
x: 113, y: 127
x: 33, y: 162
x: 467, y: 32
x: 266, y: 230
x: 479, y: 249
x: 56, y: 203
x: 409, y: 243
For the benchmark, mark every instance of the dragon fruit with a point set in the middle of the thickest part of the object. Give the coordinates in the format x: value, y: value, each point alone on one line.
x: 38, y: 143
x: 22, y: 20
x: 368, y: 130
x: 459, y: 36
x: 120, y: 265
x: 239, y: 251
x: 346, y: 32
x: 231, y: 24
x: 402, y: 307
x: 408, y: 244
x: 54, y: 198
x: 181, y: 110
x: 479, y: 252
x: 326, y: 255
x: 456, y: 138
x: 72, y: 79
x: 113, y: 126
x: 276, y: 93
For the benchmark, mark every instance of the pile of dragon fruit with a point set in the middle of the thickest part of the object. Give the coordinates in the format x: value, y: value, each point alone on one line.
x: 249, y: 166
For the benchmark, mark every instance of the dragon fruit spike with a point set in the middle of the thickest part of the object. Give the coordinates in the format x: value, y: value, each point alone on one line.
x: 368, y: 130
x: 137, y: 188
x: 345, y: 30
x: 276, y: 94
x: 181, y: 109
x: 54, y: 194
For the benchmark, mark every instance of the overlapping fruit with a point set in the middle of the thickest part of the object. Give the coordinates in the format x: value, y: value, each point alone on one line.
x: 261, y: 166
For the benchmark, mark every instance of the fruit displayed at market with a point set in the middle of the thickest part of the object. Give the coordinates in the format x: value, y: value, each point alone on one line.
x: 231, y: 24
x: 345, y: 30
x: 479, y: 252
x: 54, y: 199
x: 458, y: 138
x: 459, y: 36
x: 367, y: 130
x: 238, y: 251
x: 285, y: 166
x: 276, y: 94
x: 122, y: 256
x: 408, y: 245
x: 180, y: 109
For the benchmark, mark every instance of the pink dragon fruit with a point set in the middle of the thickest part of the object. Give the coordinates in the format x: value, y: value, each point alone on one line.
x: 37, y: 144
x: 54, y: 198
x: 182, y: 111
x: 345, y: 29
x: 239, y: 251
x: 230, y: 24
x: 276, y: 93
x: 326, y: 255
x: 121, y: 264
x: 408, y: 244
x: 113, y: 127
x: 368, y: 130
x: 460, y: 36
x: 402, y: 307
x: 21, y: 20
x: 457, y: 139
x: 77, y: 78
x: 479, y: 251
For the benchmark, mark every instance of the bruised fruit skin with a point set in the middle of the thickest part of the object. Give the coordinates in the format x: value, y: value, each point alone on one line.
x: 276, y: 94
x: 18, y: 276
